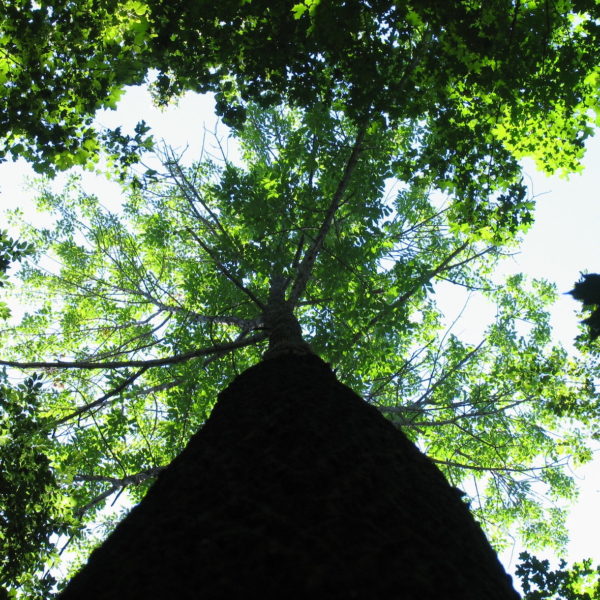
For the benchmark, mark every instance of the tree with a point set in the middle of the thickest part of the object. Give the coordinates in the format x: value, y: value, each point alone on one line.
x: 296, y: 485
x: 152, y: 309
x: 33, y: 505
x: 443, y: 98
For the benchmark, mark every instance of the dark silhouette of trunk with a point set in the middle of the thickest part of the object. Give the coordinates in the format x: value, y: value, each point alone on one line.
x: 296, y: 488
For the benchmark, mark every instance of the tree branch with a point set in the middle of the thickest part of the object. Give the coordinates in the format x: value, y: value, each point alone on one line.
x: 116, y: 484
x: 194, y: 316
x: 306, y: 265
x: 450, y: 421
x: 450, y: 463
x: 190, y: 193
x: 148, y: 363
x: 104, y: 398
x: 444, y: 265
x: 226, y: 271
x: 123, y: 481
x: 431, y: 388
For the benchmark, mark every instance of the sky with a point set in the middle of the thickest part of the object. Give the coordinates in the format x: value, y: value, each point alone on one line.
x: 563, y: 241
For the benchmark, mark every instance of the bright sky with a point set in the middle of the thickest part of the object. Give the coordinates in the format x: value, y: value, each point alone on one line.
x: 563, y: 242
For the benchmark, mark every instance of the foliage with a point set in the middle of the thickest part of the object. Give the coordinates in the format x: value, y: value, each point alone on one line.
x: 484, y: 79
x: 579, y: 582
x: 10, y: 251
x: 140, y: 317
x: 33, y: 507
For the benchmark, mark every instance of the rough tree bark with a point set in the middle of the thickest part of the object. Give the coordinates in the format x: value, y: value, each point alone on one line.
x: 296, y: 487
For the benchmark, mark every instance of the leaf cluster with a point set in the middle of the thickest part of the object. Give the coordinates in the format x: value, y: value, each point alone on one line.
x: 11, y: 250
x: 587, y: 291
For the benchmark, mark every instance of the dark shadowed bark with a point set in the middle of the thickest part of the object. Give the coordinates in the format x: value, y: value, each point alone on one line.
x: 295, y: 487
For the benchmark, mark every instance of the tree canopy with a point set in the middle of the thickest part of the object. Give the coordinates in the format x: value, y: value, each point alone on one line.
x: 481, y: 78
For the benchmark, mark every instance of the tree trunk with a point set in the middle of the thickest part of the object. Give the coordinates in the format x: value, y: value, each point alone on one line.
x: 295, y: 487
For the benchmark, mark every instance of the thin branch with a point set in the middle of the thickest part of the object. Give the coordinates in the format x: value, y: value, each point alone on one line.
x: 443, y: 266
x: 461, y: 363
x: 190, y: 193
x: 450, y: 463
x: 123, y: 481
x: 441, y: 348
x: 83, y: 509
x: 151, y: 362
x: 192, y: 315
x: 10, y: 57
x: 226, y: 271
x: 103, y: 399
x: 116, y: 484
x: 383, y: 381
x: 455, y: 418
x: 470, y: 258
x: 144, y: 392
x: 161, y: 387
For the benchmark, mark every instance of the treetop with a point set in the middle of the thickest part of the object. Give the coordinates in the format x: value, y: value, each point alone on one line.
x: 482, y: 78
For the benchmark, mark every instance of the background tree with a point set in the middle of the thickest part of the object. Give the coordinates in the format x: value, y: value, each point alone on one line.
x: 482, y: 79
x: 146, y: 313
x: 33, y: 507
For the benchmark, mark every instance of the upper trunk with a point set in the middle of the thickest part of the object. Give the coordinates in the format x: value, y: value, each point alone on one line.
x: 296, y: 487
x: 285, y: 333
